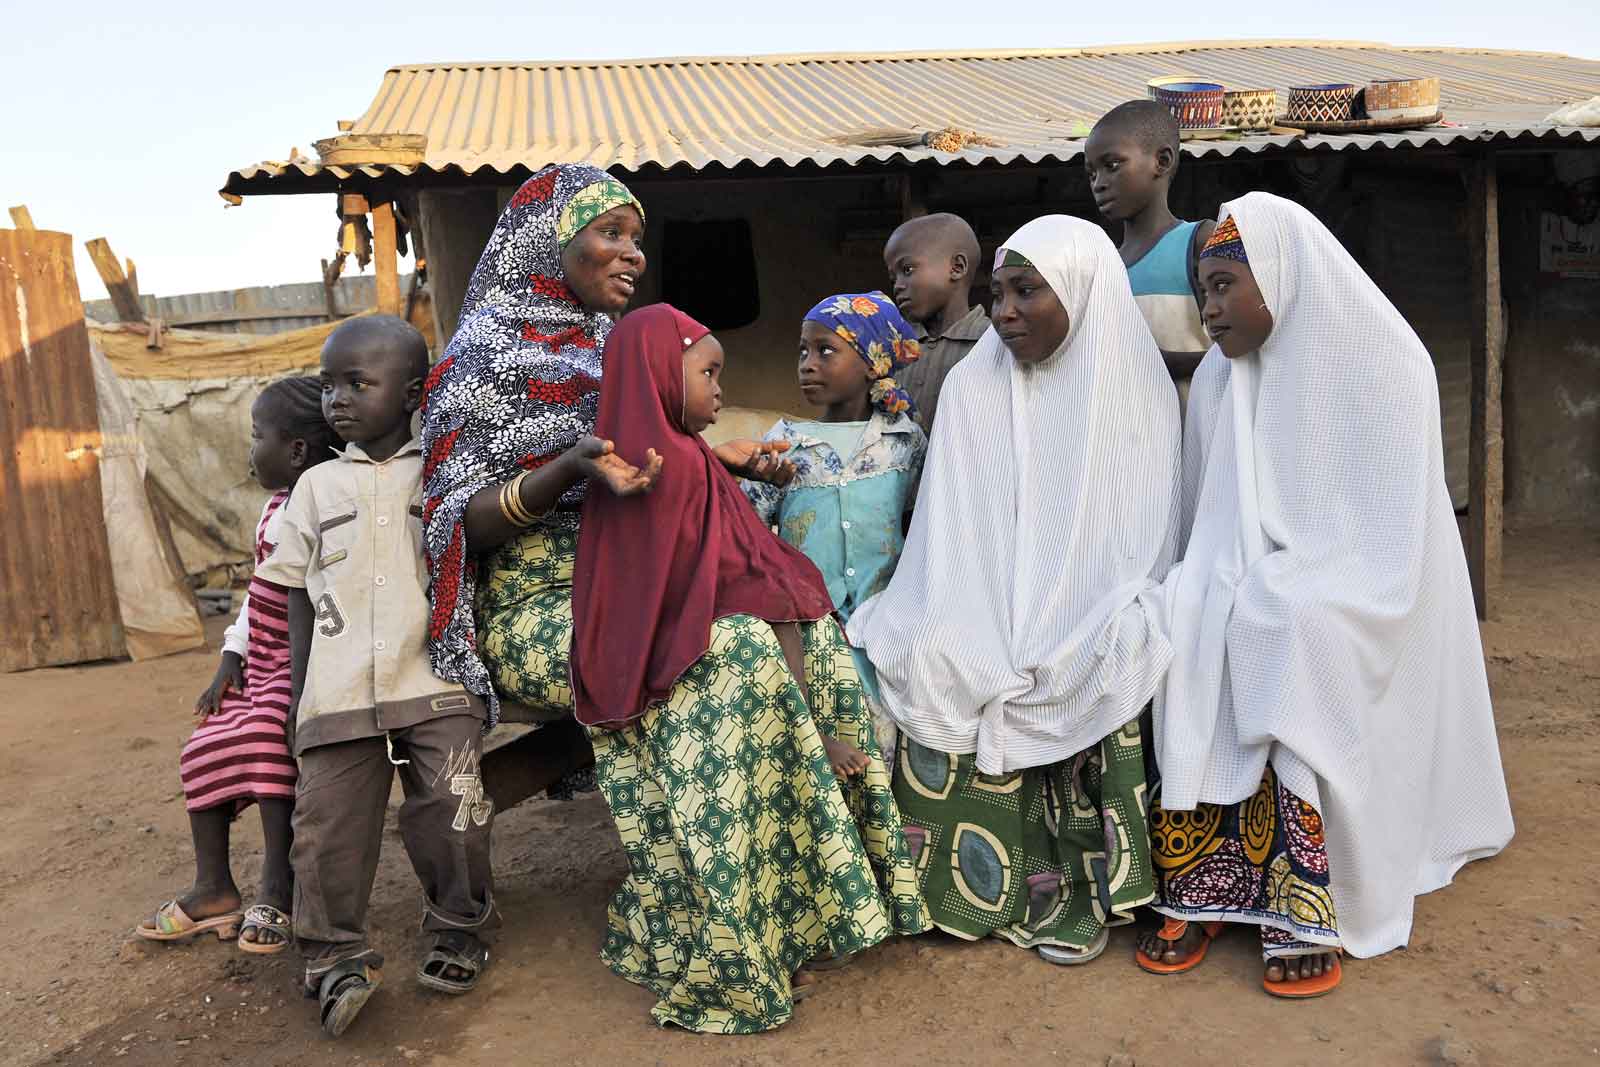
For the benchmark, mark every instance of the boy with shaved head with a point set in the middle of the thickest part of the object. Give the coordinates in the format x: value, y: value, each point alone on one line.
x: 1131, y: 157
x: 364, y: 701
x: 932, y: 261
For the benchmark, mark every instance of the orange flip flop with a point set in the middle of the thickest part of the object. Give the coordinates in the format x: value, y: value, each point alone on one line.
x: 1174, y: 930
x: 1306, y: 988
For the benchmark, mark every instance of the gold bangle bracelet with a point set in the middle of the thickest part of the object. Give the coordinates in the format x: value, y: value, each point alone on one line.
x: 507, y: 504
x: 514, y: 503
x: 505, y: 512
x: 511, y: 505
x: 509, y: 493
x: 528, y: 517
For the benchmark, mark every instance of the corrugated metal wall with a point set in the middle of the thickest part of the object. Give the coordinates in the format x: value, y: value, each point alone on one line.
x: 259, y: 310
x: 58, y: 603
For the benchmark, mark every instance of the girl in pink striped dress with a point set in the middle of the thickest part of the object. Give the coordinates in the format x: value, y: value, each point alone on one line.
x: 239, y: 753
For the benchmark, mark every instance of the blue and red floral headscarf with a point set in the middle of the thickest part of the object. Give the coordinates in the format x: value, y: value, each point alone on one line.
x: 881, y: 336
x: 518, y: 385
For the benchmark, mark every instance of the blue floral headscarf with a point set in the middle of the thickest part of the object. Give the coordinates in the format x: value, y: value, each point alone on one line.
x: 882, y: 337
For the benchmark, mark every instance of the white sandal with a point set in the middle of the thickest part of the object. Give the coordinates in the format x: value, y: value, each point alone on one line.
x: 1063, y: 956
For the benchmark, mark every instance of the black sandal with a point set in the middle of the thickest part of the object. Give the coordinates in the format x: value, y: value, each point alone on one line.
x: 344, y: 991
x: 453, y: 948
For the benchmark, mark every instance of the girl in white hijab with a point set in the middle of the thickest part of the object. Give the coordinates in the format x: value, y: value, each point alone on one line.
x: 1011, y: 646
x: 1326, y: 744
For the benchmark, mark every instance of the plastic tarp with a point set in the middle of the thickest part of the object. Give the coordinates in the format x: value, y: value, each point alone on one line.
x: 191, y: 401
x: 158, y: 610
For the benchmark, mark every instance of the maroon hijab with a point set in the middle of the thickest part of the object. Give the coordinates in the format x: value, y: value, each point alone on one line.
x: 655, y: 571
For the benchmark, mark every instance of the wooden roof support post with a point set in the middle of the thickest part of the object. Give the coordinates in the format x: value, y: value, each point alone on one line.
x: 912, y: 190
x: 1486, y: 447
x: 123, y: 296
x: 386, y: 259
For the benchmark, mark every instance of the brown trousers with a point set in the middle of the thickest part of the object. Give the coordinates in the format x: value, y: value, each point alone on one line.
x: 339, y: 807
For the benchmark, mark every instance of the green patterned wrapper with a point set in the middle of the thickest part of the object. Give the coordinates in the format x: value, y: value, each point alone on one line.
x: 1046, y: 856
x: 746, y: 857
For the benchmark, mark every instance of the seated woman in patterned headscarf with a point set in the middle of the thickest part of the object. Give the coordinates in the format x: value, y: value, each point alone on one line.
x: 508, y: 423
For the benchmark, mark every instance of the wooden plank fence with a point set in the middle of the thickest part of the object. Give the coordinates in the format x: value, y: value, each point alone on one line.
x: 58, y: 603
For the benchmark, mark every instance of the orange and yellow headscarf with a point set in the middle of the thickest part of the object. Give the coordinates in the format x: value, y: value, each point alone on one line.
x: 881, y: 336
x: 1225, y: 242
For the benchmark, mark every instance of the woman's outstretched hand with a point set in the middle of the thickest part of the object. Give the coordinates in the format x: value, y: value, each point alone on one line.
x: 759, y: 461
x: 599, y: 461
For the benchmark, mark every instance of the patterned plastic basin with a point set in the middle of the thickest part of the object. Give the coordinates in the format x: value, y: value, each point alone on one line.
x: 1321, y: 103
x: 1197, y: 105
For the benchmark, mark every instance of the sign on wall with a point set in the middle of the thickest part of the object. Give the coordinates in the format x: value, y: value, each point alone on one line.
x: 1569, y: 225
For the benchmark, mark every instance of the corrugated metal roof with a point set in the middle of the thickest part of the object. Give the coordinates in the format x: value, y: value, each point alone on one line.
x: 700, y: 112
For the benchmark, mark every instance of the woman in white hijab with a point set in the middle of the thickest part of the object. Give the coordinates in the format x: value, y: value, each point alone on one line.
x: 1012, y: 648
x: 1326, y: 744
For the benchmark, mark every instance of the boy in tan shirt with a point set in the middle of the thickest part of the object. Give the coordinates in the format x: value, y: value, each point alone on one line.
x: 364, y: 699
x: 932, y: 263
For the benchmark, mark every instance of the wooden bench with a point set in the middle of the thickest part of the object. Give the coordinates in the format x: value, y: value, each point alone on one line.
x: 530, y: 751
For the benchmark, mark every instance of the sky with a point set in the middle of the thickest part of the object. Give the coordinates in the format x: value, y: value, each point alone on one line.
x: 122, y: 120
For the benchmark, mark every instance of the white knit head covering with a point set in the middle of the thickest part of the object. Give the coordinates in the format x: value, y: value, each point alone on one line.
x: 1012, y: 626
x: 1322, y: 616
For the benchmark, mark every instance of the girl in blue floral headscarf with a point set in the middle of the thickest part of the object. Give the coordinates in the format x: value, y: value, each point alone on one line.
x: 856, y: 466
x: 884, y: 340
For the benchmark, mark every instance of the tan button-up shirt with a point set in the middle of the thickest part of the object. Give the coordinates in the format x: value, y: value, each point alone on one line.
x: 351, y: 537
x: 925, y: 378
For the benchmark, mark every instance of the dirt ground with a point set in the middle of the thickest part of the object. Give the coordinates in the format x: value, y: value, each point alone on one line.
x: 1500, y: 968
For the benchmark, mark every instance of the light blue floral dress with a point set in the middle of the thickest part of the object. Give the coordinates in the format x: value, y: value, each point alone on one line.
x: 845, y: 511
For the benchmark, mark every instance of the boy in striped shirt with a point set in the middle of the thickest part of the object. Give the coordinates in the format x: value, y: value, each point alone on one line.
x: 1131, y: 157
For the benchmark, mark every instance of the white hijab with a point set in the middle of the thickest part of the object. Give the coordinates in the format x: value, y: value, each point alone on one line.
x: 1322, y: 616
x: 1012, y: 627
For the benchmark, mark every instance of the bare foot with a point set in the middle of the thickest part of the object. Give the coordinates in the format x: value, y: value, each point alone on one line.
x: 1298, y: 968
x: 1171, y: 952
x: 847, y: 761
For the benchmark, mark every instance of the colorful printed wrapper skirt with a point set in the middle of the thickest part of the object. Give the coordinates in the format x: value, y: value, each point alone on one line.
x: 1046, y: 856
x: 746, y: 856
x: 1261, y: 861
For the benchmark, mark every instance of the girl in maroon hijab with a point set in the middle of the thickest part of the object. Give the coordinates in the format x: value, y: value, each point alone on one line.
x: 705, y: 661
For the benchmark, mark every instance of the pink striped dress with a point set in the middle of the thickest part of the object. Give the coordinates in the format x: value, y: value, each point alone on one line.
x: 241, y: 754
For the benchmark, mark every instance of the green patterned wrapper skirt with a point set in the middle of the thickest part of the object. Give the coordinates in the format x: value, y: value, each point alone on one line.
x: 1046, y: 856
x: 747, y: 858
x: 524, y: 615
